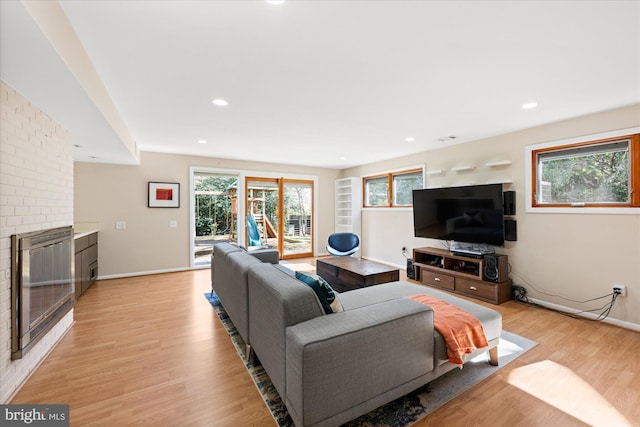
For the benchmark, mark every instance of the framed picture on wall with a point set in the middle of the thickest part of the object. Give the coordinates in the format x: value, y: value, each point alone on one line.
x: 164, y: 195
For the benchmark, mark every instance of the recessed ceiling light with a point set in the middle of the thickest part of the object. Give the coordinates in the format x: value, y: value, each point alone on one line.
x: 343, y: 158
x: 275, y: 1
x: 409, y: 139
x: 220, y: 102
x: 529, y: 105
x: 202, y: 141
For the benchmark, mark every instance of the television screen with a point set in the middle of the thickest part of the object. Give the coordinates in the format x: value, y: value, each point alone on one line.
x: 470, y: 214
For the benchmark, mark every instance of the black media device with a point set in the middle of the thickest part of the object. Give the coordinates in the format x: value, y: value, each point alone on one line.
x: 411, y: 274
x: 509, y: 203
x: 469, y: 214
x: 495, y: 268
x: 510, y: 230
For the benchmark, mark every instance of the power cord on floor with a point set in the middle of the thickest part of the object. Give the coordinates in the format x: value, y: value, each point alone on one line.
x: 520, y: 295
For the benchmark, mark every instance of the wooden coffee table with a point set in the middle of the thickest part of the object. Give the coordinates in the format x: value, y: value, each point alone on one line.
x: 347, y: 273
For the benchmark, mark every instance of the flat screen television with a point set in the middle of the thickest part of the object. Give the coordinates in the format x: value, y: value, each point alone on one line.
x: 469, y: 214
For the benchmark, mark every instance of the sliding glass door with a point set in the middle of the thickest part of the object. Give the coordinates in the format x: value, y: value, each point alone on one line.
x: 280, y: 215
x: 298, y: 211
x: 263, y: 214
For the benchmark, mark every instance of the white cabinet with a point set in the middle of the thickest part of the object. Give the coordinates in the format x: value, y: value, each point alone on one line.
x: 348, y: 195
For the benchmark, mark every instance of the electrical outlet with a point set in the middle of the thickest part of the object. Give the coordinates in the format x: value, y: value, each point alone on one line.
x: 621, y: 290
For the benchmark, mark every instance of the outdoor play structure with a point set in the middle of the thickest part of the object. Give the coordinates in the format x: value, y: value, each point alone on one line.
x: 256, y: 215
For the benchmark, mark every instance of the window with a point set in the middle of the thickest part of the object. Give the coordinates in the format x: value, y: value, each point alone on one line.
x: 600, y: 173
x: 394, y: 189
x: 403, y: 186
x: 376, y: 191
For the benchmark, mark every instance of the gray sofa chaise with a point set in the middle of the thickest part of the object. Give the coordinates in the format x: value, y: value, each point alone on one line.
x: 332, y: 368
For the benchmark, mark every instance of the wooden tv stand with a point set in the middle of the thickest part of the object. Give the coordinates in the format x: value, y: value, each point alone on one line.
x: 461, y: 274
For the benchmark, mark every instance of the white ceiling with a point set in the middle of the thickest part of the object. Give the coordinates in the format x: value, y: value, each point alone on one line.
x: 325, y: 83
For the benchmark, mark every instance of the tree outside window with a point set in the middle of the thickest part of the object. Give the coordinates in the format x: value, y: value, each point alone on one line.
x: 394, y: 189
x: 596, y: 173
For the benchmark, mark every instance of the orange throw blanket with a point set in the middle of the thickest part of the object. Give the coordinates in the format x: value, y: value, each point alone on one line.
x: 462, y: 332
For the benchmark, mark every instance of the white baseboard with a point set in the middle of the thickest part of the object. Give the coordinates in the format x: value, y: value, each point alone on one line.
x: 401, y: 267
x: 146, y: 273
x: 610, y: 320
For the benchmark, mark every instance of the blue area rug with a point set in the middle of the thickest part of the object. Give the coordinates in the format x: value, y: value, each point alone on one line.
x: 403, y: 411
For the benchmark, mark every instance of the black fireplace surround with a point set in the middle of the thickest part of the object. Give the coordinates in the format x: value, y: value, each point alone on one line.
x: 42, y: 286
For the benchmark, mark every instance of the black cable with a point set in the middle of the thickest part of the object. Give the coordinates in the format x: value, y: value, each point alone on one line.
x: 613, y: 301
x: 605, y: 313
x: 520, y: 295
x: 524, y: 279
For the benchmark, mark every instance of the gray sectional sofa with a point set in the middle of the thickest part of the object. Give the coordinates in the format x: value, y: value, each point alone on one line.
x: 332, y: 368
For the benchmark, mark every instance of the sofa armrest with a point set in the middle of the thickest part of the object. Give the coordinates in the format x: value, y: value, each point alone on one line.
x: 336, y: 363
x: 271, y: 256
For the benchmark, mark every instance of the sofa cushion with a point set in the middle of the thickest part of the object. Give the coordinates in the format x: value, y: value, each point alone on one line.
x: 327, y: 296
x: 491, y: 320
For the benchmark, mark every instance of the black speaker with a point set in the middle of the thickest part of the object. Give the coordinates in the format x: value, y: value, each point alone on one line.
x: 510, y: 230
x: 509, y: 203
x: 411, y: 273
x: 496, y: 268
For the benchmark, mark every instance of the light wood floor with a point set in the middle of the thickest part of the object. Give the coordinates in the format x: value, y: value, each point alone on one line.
x: 150, y: 351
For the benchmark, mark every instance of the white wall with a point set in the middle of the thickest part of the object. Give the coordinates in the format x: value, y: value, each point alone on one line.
x: 36, y: 193
x: 579, y: 256
x: 106, y: 193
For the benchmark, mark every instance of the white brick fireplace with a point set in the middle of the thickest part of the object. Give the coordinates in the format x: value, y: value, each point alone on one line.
x: 36, y: 193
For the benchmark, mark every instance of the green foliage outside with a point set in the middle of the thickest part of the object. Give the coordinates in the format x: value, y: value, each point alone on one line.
x: 271, y: 206
x: 404, y: 184
x: 594, y: 178
x: 377, y: 191
x: 213, y: 211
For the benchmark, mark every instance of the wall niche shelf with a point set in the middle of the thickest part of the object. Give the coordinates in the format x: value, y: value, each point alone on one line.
x: 348, y: 201
x: 498, y: 163
x: 463, y: 168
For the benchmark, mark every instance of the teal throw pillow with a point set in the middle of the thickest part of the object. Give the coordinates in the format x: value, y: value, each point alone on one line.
x: 327, y: 296
x: 336, y: 305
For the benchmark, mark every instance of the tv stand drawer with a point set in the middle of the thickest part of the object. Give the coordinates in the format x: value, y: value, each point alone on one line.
x: 475, y: 288
x: 437, y: 279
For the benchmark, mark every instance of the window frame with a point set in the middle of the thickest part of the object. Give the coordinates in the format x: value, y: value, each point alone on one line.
x: 633, y: 206
x: 390, y: 189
